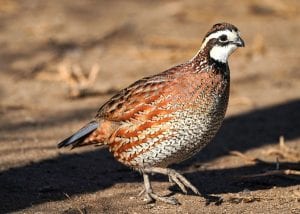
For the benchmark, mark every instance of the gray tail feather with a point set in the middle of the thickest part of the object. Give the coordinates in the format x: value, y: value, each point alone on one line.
x: 80, y: 135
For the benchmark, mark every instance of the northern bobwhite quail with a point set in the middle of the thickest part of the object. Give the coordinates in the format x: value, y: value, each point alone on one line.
x: 167, y: 118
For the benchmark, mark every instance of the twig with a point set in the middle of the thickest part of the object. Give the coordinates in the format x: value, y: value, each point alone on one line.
x: 284, y: 172
x: 290, y: 173
x: 247, y: 158
x: 284, y: 151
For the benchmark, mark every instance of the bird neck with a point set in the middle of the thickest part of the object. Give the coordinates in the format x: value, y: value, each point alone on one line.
x: 204, y: 62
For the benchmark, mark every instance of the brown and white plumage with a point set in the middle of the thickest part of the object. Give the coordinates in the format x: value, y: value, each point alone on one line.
x: 166, y: 118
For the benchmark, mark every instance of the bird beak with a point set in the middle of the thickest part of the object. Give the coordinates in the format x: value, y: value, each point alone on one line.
x: 240, y: 42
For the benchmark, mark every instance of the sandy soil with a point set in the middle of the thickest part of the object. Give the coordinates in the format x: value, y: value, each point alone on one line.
x: 43, y: 42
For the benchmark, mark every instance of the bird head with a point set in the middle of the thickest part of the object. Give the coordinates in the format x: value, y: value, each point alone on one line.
x: 221, y: 41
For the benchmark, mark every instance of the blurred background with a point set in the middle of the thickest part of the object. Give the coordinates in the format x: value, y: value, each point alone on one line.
x: 61, y: 60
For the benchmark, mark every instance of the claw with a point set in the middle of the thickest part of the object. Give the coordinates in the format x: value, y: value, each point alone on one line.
x: 168, y: 200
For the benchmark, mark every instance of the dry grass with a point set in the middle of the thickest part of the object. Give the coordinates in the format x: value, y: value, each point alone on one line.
x: 284, y: 152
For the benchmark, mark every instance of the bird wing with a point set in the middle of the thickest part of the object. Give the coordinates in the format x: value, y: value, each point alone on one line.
x: 145, y: 95
x: 141, y: 110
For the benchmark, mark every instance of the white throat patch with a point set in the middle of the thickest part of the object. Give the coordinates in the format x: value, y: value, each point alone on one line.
x: 221, y: 53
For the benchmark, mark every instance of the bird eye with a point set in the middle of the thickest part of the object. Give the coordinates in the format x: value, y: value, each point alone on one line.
x: 223, y: 38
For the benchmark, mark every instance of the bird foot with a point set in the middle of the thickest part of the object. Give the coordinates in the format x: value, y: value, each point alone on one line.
x: 151, y: 197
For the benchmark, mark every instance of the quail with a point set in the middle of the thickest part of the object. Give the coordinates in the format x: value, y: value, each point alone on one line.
x: 168, y: 117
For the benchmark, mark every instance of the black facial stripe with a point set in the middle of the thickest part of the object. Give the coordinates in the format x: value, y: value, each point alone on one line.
x: 213, y: 41
x: 223, y: 43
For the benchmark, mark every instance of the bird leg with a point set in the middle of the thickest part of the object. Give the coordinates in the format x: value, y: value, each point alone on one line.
x: 151, y: 196
x: 174, y: 176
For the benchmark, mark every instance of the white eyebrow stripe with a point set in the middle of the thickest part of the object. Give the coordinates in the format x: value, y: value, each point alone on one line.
x: 216, y: 35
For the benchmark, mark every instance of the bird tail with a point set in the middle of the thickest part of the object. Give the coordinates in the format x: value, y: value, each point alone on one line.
x: 79, y: 137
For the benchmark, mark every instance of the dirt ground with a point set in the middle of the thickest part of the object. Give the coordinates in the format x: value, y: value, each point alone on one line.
x: 61, y: 60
